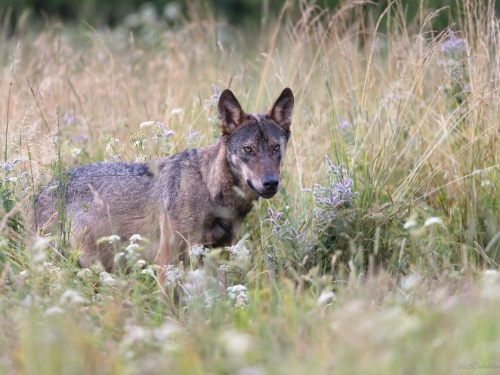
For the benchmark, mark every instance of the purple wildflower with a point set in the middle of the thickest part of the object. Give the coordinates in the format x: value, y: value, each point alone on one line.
x: 69, y: 119
x: 9, y: 165
x: 454, y: 44
x: 192, y: 135
x: 214, y: 99
x: 167, y: 133
x: 339, y: 193
x: 343, y: 123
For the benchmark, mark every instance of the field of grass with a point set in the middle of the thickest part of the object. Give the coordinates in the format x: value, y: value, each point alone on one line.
x: 379, y: 254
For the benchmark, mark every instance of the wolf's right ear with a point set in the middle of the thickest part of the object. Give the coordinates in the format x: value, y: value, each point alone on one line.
x: 281, y: 110
x: 230, y: 112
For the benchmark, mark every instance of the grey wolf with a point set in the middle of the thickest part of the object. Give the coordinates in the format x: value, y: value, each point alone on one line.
x: 198, y: 196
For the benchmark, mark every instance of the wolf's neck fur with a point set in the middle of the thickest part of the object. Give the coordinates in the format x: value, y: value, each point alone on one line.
x: 221, y: 181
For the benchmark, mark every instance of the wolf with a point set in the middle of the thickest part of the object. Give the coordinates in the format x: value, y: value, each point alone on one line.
x: 198, y: 196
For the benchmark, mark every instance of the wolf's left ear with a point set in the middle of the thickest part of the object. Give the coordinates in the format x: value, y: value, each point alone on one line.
x: 281, y: 111
x: 230, y: 112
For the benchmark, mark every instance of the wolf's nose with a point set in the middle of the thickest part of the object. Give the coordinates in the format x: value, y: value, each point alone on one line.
x: 270, y: 183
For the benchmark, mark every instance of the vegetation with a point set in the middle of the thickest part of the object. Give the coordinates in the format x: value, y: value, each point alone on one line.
x: 382, y: 244
x: 132, y: 13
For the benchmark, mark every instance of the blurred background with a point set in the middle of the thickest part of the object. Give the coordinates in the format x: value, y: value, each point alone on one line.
x: 246, y: 13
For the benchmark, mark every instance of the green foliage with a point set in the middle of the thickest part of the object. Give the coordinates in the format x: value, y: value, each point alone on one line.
x: 11, y: 238
x: 237, y: 12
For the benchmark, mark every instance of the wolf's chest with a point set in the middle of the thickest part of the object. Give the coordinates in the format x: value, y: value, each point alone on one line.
x: 221, y: 232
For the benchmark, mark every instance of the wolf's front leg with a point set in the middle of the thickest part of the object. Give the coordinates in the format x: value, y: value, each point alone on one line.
x: 163, y: 257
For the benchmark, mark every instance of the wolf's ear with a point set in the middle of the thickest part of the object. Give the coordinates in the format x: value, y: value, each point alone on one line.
x: 230, y: 112
x: 282, y: 109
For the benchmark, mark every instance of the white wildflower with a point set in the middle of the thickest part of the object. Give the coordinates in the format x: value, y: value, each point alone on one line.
x: 197, y: 276
x: 147, y: 124
x: 136, y: 238
x: 237, y: 344
x: 118, y: 256
x: 176, y: 111
x: 41, y: 243
x: 196, y: 281
x: 73, y: 297
x: 434, y: 220
x: 75, y: 152
x: 325, y: 297
x: 172, y: 11
x: 30, y: 301
x: 148, y: 271
x: 49, y: 268
x: 111, y: 144
x: 209, y: 297
x: 24, y: 274
x: 173, y: 275
x: 197, y: 252
x: 97, y: 268
x: 410, y: 281
x: 166, y: 331
x: 410, y: 224
x: 239, y: 251
x: 133, y: 247
x: 55, y: 288
x: 135, y: 335
x: 140, y: 159
x: 140, y: 263
x: 106, y: 279
x: 54, y: 310
x: 84, y: 273
x: 113, y: 238
x: 239, y: 294
x: 490, y: 282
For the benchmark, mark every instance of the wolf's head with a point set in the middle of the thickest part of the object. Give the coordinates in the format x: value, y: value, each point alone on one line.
x: 255, y: 144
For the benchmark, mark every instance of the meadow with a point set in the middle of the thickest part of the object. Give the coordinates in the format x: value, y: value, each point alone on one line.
x: 380, y: 252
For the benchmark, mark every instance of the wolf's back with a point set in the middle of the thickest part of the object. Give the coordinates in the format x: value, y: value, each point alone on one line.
x: 117, y: 188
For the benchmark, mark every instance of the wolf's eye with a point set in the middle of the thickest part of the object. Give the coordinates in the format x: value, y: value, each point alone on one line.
x: 247, y: 149
x: 276, y: 147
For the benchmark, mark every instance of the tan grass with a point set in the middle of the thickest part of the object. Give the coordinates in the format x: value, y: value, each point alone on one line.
x: 370, y: 95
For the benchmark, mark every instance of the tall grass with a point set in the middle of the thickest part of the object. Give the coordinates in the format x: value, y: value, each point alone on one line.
x: 382, y: 243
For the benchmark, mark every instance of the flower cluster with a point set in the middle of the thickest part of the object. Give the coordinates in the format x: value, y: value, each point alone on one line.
x: 236, y: 267
x: 213, y: 117
x: 9, y: 165
x: 455, y: 66
x: 139, y: 142
x: 173, y: 275
x: 239, y: 295
x: 193, y: 137
x: 214, y: 99
x: 340, y: 192
x: 284, y: 229
x: 112, y: 148
x: 161, y: 135
x: 197, y: 252
x: 454, y: 45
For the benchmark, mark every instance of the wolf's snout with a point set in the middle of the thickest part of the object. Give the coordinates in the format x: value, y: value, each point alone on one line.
x: 270, y: 183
